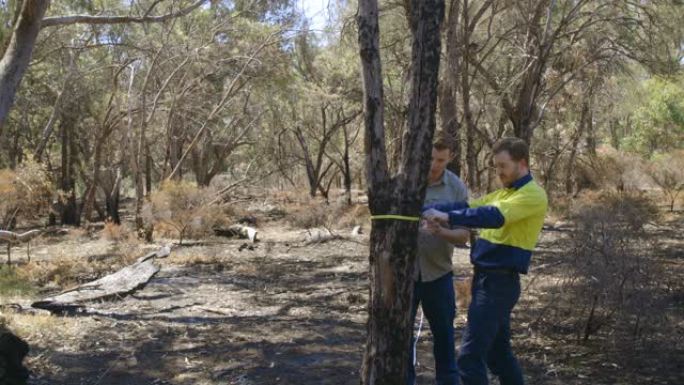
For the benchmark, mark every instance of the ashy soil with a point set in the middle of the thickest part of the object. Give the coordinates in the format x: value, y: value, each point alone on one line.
x: 225, y: 311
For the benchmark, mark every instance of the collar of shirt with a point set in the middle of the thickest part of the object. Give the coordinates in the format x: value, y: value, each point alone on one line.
x: 522, y: 181
x: 440, y: 182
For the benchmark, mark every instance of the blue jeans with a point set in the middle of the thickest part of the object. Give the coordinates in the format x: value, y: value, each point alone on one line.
x: 438, y: 302
x: 487, y: 335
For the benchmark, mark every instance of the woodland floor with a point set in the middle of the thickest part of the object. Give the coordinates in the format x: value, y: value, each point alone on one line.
x: 280, y: 312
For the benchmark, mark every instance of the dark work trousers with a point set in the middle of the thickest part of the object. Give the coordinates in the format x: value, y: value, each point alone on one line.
x: 487, y: 335
x: 438, y: 302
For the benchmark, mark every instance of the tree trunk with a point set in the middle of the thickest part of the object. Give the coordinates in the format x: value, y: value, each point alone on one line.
x: 575, y: 143
x: 17, y: 56
x: 148, y: 170
x: 47, y: 131
x: 471, y: 154
x: 12, y: 352
x: 112, y: 206
x: 200, y: 162
x: 447, y: 97
x: 175, y: 148
x: 614, y: 125
x: 141, y: 155
x: 393, y: 243
x: 526, y: 114
x: 70, y: 213
x: 311, y: 175
x: 91, y: 191
x: 111, y: 187
x: 591, y: 135
x: 347, y: 168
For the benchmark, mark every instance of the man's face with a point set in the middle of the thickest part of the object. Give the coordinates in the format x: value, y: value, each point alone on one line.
x: 440, y: 159
x: 507, y: 169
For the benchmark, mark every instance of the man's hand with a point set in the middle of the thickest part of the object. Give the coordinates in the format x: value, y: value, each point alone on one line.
x: 433, y: 227
x: 436, y: 216
x: 458, y: 236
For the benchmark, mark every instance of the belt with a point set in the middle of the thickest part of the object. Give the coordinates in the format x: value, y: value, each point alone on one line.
x: 495, y: 270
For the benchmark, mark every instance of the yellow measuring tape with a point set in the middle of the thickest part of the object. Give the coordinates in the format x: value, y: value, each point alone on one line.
x: 395, y: 217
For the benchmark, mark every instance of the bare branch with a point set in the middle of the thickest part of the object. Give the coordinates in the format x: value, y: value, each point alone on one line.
x: 91, y: 19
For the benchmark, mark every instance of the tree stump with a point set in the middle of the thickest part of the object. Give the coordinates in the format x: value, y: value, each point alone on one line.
x: 12, y: 352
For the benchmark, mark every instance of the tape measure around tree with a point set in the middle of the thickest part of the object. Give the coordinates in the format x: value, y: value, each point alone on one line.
x: 395, y: 217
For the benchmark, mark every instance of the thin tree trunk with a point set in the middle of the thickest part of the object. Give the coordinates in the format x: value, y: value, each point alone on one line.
x: 89, y: 196
x: 614, y: 125
x: 112, y: 208
x: 138, y: 154
x: 17, y: 56
x: 447, y: 97
x: 347, y: 168
x: 70, y: 214
x: 47, y: 131
x: 148, y: 171
x: 112, y: 199
x: 526, y: 113
x: 471, y: 155
x: 311, y: 175
x: 591, y: 135
x: 575, y: 144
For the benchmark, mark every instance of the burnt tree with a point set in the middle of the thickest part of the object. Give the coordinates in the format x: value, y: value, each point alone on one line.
x: 393, y: 242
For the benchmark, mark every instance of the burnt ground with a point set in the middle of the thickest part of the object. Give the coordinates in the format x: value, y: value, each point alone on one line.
x: 281, y: 312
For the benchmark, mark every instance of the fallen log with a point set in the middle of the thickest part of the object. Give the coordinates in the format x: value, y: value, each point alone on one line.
x: 119, y: 284
x: 357, y: 230
x: 11, y: 237
x: 314, y: 236
x: 239, y: 231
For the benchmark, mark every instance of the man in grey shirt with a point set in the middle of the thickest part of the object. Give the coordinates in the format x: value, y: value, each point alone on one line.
x: 434, y: 290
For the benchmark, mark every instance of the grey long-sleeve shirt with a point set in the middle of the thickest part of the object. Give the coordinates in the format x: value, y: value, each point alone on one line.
x: 435, y: 254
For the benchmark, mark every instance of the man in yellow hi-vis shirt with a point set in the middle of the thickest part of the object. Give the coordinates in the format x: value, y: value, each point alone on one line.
x: 511, y: 219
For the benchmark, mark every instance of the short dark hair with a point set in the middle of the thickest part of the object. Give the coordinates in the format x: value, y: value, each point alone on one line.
x: 517, y: 148
x: 443, y: 141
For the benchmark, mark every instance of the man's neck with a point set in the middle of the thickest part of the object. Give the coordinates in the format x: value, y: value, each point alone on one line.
x: 522, y: 174
x: 436, y: 179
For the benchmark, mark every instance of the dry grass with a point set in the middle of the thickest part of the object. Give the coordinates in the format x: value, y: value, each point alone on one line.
x: 41, y: 330
x: 115, y: 232
x: 463, y: 292
x: 41, y: 326
x: 317, y: 214
x: 354, y: 215
x: 13, y: 283
x: 77, y: 234
x: 193, y: 258
x: 184, y: 207
x: 64, y: 270
x: 290, y: 196
x: 26, y: 192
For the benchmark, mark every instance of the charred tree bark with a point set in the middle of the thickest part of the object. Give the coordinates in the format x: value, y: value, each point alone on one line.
x: 393, y: 243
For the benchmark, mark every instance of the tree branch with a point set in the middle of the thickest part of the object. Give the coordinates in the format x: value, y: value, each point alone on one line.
x: 91, y: 19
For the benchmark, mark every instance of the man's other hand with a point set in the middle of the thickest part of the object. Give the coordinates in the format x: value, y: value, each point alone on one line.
x: 436, y: 216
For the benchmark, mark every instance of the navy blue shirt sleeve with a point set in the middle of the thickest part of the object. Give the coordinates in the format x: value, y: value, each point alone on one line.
x: 484, y: 217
